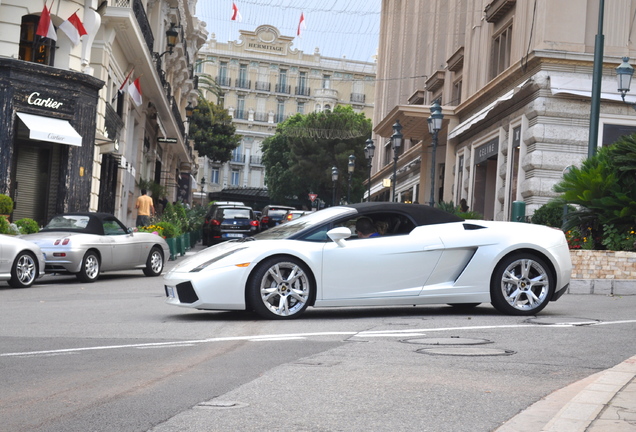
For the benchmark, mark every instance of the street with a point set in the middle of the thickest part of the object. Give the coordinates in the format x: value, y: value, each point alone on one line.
x: 113, y: 356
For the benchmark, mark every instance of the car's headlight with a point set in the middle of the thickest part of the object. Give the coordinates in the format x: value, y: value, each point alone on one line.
x: 213, y: 260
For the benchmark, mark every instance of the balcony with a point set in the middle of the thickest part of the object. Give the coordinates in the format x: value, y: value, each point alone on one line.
x: 261, y: 117
x: 302, y: 91
x: 223, y: 81
x: 256, y: 160
x: 263, y: 86
x: 243, y: 84
x: 113, y: 123
x: 358, y: 98
x: 240, y: 115
x: 281, y: 88
x: 325, y: 93
x: 238, y: 158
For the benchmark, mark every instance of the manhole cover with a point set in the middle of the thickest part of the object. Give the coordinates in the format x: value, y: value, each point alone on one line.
x: 221, y: 404
x: 564, y: 321
x: 447, y: 341
x: 465, y: 351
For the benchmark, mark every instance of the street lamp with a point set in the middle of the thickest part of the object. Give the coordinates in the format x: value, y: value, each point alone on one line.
x: 396, y: 143
x: 350, y: 167
x: 334, y: 179
x: 624, y: 74
x: 202, y: 193
x: 369, y: 151
x: 434, y: 126
x: 172, y: 35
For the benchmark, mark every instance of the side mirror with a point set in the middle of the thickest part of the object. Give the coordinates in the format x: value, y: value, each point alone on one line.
x: 339, y: 234
x: 131, y: 230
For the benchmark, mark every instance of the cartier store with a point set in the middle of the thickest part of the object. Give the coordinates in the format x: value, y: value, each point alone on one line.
x: 47, y: 138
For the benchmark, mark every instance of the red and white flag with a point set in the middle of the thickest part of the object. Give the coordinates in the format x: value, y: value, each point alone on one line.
x: 134, y: 88
x: 236, y: 15
x: 121, y: 88
x: 301, y: 24
x: 45, y: 26
x: 73, y: 28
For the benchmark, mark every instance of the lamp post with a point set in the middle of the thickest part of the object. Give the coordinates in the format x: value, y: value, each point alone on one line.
x: 624, y: 74
x: 434, y: 126
x: 350, y: 167
x: 202, y: 192
x: 597, y: 77
x: 171, y: 40
x: 369, y: 151
x: 334, y: 179
x: 396, y: 143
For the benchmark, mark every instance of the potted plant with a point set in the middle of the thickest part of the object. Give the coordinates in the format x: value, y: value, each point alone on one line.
x: 6, y: 205
x: 27, y: 226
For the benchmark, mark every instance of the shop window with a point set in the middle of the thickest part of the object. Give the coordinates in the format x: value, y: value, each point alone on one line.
x: 35, y: 48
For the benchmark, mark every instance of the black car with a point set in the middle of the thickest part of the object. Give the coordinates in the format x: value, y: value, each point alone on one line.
x: 228, y: 222
x: 274, y: 215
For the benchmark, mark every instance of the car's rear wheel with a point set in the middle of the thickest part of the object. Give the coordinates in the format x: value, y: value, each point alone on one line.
x: 89, y: 272
x: 24, y: 270
x: 522, y: 284
x: 154, y: 263
x: 281, y: 288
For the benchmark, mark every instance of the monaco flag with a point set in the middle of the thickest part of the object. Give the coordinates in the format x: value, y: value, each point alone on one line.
x: 45, y: 26
x: 73, y: 28
x: 134, y: 88
x: 301, y: 24
x: 236, y: 15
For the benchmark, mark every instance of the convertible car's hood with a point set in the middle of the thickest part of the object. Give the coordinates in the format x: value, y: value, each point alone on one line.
x: 210, y: 253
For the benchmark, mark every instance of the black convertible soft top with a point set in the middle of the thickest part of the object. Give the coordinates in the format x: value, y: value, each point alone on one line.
x: 419, y: 213
x: 95, y: 223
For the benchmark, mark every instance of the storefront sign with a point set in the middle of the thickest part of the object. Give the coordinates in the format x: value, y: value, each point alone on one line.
x: 486, y: 151
x: 37, y: 100
x: 167, y: 140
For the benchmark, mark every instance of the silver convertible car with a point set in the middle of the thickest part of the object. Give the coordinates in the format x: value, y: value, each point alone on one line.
x: 86, y: 244
x: 421, y: 255
x: 21, y: 261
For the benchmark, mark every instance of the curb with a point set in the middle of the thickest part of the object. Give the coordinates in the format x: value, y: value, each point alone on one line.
x: 610, y: 287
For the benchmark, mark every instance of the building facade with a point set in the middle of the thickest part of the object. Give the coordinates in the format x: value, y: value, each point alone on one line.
x: 72, y: 137
x: 514, y: 80
x: 263, y: 81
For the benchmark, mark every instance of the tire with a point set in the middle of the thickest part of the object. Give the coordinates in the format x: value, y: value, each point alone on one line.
x: 24, y: 270
x: 90, y: 268
x: 281, y: 288
x: 154, y: 263
x: 522, y: 284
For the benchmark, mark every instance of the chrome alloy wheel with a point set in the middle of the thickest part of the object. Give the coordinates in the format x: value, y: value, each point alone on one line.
x: 91, y: 266
x: 25, y: 269
x: 525, y: 284
x: 285, y: 289
x: 156, y: 262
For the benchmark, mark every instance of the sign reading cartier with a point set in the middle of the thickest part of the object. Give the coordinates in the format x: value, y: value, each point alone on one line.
x: 35, y: 99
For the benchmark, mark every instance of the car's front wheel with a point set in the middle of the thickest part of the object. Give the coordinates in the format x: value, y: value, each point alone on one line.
x: 281, y: 288
x: 522, y: 284
x: 24, y: 270
x: 89, y: 272
x: 154, y: 263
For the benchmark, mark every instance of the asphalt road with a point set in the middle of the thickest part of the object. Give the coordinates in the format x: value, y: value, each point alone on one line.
x: 112, y: 356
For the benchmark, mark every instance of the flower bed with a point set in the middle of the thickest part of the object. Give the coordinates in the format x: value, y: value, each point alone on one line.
x: 593, y: 264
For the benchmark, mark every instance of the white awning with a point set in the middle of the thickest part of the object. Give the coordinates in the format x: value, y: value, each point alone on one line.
x: 582, y: 86
x: 50, y: 129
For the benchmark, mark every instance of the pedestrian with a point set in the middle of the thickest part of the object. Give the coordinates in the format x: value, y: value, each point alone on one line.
x: 463, y: 206
x: 145, y: 209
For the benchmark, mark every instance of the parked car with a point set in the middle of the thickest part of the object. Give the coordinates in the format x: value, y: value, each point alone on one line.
x: 21, y: 261
x: 231, y: 222
x: 206, y: 235
x: 274, y: 215
x: 294, y: 214
x: 423, y: 256
x: 87, y: 244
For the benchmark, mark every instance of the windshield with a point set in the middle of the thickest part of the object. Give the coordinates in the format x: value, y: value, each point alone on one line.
x: 68, y: 222
x: 311, y: 220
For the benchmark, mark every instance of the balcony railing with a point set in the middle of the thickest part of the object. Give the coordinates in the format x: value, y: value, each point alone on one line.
x: 240, y: 114
x: 263, y: 86
x: 262, y: 117
x: 256, y: 160
x: 358, y: 97
x: 238, y: 158
x: 223, y: 81
x: 279, y: 118
x: 281, y: 88
x: 303, y: 91
x: 113, y: 123
x: 244, y: 84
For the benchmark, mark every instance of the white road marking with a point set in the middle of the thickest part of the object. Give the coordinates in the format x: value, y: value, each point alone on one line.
x: 277, y: 337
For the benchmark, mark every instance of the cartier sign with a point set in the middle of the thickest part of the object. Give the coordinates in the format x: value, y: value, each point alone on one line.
x: 35, y: 99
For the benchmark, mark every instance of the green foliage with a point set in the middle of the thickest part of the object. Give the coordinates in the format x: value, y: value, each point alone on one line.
x: 300, y: 156
x: 619, y: 238
x: 194, y: 218
x: 450, y: 207
x: 4, y: 225
x: 27, y: 226
x: 175, y: 215
x: 168, y: 229
x: 212, y: 130
x: 580, y: 238
x: 6, y: 204
x: 551, y: 214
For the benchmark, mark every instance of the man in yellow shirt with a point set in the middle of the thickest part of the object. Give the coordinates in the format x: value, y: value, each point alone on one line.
x: 145, y: 209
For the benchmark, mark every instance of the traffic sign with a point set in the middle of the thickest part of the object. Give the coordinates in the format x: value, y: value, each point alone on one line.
x: 313, y: 197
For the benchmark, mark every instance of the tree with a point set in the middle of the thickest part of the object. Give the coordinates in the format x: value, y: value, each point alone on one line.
x: 299, y: 158
x: 213, y: 132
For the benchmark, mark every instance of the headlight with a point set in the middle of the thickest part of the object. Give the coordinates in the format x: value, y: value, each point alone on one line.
x: 213, y: 260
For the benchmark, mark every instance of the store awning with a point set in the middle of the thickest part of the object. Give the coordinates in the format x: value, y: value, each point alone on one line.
x: 50, y: 129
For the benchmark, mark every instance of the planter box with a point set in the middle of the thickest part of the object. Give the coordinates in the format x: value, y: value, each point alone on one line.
x: 187, y: 241
x: 172, y: 244
x: 592, y: 264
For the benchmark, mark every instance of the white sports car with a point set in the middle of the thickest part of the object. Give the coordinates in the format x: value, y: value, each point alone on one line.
x: 21, y: 261
x: 422, y: 256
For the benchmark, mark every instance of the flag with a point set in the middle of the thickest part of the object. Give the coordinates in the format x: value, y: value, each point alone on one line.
x: 121, y: 87
x: 134, y: 88
x: 301, y: 24
x: 236, y: 15
x: 45, y: 26
x: 73, y: 28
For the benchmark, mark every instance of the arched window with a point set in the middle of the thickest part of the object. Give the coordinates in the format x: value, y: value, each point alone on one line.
x: 34, y: 48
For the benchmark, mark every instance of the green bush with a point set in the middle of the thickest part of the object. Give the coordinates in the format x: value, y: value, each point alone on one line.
x: 618, y: 238
x: 551, y: 214
x: 27, y: 226
x: 169, y: 229
x: 6, y: 204
x: 4, y: 225
x: 450, y: 207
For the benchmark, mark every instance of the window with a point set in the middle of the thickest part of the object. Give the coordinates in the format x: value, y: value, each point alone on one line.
x: 235, y: 178
x: 214, y: 176
x: 223, y: 79
x: 198, y: 67
x: 282, y: 86
x: 240, y: 108
x: 302, y: 89
x: 301, y: 108
x: 500, y: 55
x: 326, y: 81
x: 242, y: 79
x: 237, y: 154
x: 280, y: 111
x: 35, y: 48
x: 456, y: 95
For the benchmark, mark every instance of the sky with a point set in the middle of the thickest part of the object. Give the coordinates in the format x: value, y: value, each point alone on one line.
x: 348, y: 28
